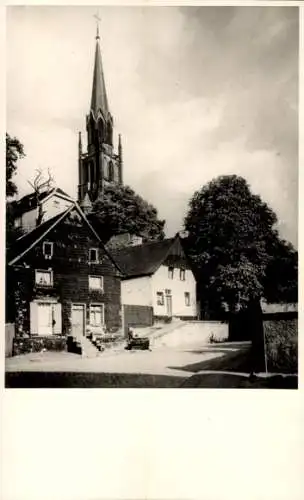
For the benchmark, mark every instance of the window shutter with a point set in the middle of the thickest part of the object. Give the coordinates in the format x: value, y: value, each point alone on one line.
x: 34, y: 318
x: 57, y: 318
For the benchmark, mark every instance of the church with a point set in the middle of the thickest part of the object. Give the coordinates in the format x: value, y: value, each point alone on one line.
x: 100, y: 164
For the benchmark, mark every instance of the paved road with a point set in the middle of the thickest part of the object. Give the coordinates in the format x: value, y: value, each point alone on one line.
x: 186, y: 367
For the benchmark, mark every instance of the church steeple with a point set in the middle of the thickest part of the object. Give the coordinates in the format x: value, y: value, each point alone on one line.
x: 100, y: 165
x: 99, y: 99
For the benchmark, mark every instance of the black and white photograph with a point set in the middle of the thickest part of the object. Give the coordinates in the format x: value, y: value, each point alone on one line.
x: 152, y: 197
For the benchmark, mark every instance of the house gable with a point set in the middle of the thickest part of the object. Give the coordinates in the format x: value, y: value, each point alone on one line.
x: 144, y: 260
x: 72, y: 237
x: 51, y: 203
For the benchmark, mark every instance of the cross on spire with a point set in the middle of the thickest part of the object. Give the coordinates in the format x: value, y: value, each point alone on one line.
x: 98, y: 19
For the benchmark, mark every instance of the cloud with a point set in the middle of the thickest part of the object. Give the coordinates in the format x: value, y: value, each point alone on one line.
x: 196, y: 92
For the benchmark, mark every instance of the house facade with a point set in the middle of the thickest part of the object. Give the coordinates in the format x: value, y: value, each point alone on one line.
x: 158, y: 283
x: 61, y: 281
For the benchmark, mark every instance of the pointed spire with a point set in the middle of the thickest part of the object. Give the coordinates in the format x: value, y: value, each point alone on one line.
x: 99, y: 100
x: 119, y: 146
x: 86, y: 204
x: 79, y: 144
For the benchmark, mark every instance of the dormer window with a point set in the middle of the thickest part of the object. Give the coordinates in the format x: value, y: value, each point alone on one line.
x: 93, y: 255
x: 47, y: 249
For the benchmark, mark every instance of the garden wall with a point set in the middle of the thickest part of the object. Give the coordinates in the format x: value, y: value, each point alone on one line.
x: 192, y: 332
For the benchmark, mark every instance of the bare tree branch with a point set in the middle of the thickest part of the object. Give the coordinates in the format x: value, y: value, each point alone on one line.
x: 39, y: 185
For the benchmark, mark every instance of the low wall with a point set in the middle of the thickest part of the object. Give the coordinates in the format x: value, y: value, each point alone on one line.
x: 281, y: 339
x: 192, y: 333
x: 9, y: 338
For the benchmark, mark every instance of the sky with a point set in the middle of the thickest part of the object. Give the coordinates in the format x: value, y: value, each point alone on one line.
x: 196, y: 92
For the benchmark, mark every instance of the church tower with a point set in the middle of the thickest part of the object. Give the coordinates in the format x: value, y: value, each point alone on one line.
x: 100, y: 165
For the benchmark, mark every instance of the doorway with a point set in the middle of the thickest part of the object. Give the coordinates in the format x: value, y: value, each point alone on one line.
x: 78, y: 320
x: 45, y: 318
x: 168, y: 303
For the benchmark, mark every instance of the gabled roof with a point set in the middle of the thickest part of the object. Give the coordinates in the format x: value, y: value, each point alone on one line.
x: 24, y: 244
x: 29, y: 201
x: 143, y: 260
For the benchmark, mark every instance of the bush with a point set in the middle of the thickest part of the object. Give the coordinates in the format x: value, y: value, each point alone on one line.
x: 281, y: 338
x: 38, y: 344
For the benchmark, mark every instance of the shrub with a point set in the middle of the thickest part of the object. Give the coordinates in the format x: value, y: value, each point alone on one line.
x: 281, y: 338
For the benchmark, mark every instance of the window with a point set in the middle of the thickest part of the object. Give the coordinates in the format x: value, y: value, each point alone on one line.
x: 182, y: 274
x: 44, y: 278
x: 111, y: 171
x: 47, y: 249
x: 106, y: 169
x: 160, y: 298
x: 170, y: 273
x: 18, y: 222
x: 96, y: 314
x: 93, y: 255
x: 187, y: 299
x: 96, y: 282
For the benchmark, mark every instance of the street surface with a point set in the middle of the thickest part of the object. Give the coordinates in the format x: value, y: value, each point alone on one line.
x: 213, y: 365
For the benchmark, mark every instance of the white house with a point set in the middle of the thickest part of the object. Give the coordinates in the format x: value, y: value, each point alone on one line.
x: 50, y: 203
x: 158, y: 282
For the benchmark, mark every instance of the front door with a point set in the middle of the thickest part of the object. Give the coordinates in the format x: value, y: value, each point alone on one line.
x: 45, y: 318
x: 169, y: 304
x: 77, y: 320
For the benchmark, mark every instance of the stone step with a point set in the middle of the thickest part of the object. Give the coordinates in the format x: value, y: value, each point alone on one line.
x: 88, y: 349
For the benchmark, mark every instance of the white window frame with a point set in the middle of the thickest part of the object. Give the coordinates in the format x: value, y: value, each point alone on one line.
x: 101, y: 287
x: 50, y: 272
x: 182, y: 274
x: 171, y: 268
x: 48, y: 256
x: 187, y: 299
x: 161, y: 296
x: 97, y: 255
x: 101, y: 305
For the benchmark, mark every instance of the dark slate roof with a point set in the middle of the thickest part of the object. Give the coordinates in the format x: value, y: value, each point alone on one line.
x: 142, y: 260
x: 29, y: 201
x: 24, y: 242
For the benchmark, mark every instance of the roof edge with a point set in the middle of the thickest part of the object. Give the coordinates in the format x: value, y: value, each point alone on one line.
x: 15, y: 259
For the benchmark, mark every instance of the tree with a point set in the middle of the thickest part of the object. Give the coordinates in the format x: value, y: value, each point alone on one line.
x: 14, y: 152
x: 232, y: 242
x: 281, y: 278
x: 121, y: 210
x: 39, y: 185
